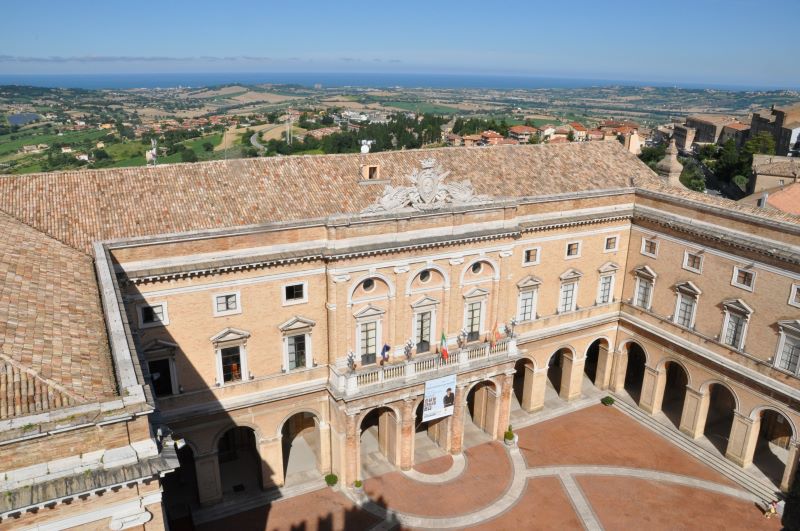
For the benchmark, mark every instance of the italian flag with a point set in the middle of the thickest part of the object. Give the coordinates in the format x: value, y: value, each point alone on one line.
x: 444, y: 347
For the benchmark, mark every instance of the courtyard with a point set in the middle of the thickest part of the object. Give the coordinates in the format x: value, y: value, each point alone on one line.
x: 593, y: 468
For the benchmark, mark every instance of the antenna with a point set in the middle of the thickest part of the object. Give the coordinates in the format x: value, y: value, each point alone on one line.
x: 151, y: 155
x: 289, y: 127
x: 365, y: 145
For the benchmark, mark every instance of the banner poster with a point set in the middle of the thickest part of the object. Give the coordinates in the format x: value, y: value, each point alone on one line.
x: 440, y: 396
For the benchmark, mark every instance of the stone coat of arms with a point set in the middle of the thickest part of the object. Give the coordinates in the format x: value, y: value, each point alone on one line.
x: 428, y: 191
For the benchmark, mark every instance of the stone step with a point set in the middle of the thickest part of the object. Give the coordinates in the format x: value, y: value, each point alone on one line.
x: 760, y: 489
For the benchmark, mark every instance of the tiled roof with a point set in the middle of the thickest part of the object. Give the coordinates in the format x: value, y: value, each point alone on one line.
x: 80, y: 207
x: 53, y: 346
x: 786, y: 199
x: 522, y: 129
x: 775, y: 165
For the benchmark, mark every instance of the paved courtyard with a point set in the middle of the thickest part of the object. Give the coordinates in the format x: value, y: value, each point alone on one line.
x: 594, y: 468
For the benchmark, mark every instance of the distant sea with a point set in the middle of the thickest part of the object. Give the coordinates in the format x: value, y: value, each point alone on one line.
x: 330, y: 79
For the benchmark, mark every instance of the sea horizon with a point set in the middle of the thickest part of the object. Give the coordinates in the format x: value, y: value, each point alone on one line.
x: 346, y: 79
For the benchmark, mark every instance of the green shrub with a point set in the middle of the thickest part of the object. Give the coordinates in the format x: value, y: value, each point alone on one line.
x: 358, y: 483
x: 331, y: 479
x: 509, y: 434
x: 607, y: 400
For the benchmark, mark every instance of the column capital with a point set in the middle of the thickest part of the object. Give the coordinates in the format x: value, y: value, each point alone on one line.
x: 267, y: 440
x: 694, y: 392
x: 651, y: 370
x: 742, y: 417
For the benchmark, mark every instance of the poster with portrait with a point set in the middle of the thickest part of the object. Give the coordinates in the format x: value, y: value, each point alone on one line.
x: 440, y: 397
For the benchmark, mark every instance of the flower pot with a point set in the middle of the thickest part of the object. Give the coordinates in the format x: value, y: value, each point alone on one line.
x: 512, y: 441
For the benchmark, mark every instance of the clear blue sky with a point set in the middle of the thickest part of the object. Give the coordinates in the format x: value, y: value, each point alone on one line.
x: 747, y: 42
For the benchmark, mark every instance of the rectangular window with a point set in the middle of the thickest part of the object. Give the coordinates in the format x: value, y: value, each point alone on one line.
x: 743, y: 279
x: 685, y: 310
x: 231, y: 364
x: 153, y: 315
x: 369, y: 342
x: 692, y: 261
x: 526, y: 306
x: 573, y: 249
x: 297, y: 351
x: 649, y: 247
x: 473, y: 321
x: 372, y: 172
x: 794, y: 295
x: 567, y: 301
x: 610, y: 244
x: 604, y: 295
x: 295, y: 293
x: 161, y: 376
x: 644, y: 290
x: 734, y: 331
x: 790, y: 354
x: 531, y: 256
x: 227, y: 303
x: 423, y: 332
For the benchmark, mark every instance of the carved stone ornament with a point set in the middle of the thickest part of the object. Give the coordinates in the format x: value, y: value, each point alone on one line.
x: 428, y: 192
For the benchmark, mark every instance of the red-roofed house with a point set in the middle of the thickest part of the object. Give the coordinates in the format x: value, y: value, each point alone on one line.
x: 491, y: 137
x: 522, y: 133
x: 578, y: 131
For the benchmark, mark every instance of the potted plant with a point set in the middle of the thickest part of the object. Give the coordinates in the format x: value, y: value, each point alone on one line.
x: 331, y: 479
x: 358, y: 486
x: 510, y: 438
x: 607, y: 400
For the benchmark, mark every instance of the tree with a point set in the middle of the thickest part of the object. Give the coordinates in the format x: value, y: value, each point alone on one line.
x: 101, y: 154
x: 208, y: 146
x: 653, y: 154
x: 692, y: 176
x: 762, y: 143
x: 187, y: 155
x: 571, y: 136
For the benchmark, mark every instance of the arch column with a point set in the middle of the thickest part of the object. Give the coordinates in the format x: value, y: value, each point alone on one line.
x: 457, y: 421
x: 742, y: 440
x: 695, y: 411
x: 538, y: 387
x: 791, y: 465
x: 270, y: 455
x: 605, y: 359
x: 571, y: 376
x: 620, y: 367
x: 528, y: 388
x: 504, y: 415
x: 209, y: 483
x: 324, y: 446
x: 652, y: 390
x: 407, y: 434
x: 352, y: 455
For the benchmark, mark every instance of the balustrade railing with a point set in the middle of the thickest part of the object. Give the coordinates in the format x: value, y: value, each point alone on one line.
x: 425, y: 366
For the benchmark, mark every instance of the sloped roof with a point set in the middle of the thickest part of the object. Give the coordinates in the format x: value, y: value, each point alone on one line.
x: 53, y: 346
x: 79, y: 207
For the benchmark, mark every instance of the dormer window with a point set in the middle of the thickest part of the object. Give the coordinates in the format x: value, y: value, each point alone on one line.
x: 370, y: 172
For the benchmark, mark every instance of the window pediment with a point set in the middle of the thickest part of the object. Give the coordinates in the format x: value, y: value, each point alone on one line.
x: 159, y: 345
x: 645, y: 272
x: 425, y: 302
x: 475, y: 293
x: 571, y: 274
x: 230, y: 334
x: 369, y: 311
x: 791, y: 326
x: 688, y: 288
x: 296, y: 323
x: 608, y: 267
x: 737, y: 306
x: 529, y: 282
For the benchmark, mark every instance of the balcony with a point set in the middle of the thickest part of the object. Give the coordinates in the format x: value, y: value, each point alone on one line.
x: 419, y: 368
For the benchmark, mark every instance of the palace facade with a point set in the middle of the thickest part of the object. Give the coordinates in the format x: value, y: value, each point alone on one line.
x: 271, y: 305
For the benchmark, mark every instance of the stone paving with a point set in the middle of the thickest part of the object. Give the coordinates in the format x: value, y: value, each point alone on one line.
x: 594, y: 468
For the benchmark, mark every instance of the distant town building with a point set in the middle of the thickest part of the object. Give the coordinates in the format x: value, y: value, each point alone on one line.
x: 522, y: 133
x: 738, y: 132
x: 783, y: 123
x: 323, y: 132
x: 471, y: 140
x: 771, y: 171
x: 578, y: 131
x: 703, y: 129
x: 453, y: 139
x: 490, y: 137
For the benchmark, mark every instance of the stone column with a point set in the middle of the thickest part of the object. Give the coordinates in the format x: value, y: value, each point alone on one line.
x: 538, y: 388
x: 652, y: 390
x: 605, y: 360
x: 457, y: 422
x: 791, y: 466
x: 742, y: 440
x: 618, y: 373
x: 209, y: 483
x: 695, y: 410
x: 407, y: 435
x: 571, y: 376
x: 352, y: 452
x: 504, y: 415
x: 324, y: 447
x: 527, y: 387
x: 270, y: 452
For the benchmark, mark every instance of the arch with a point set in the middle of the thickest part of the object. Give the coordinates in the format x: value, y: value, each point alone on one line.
x: 592, y: 359
x: 369, y: 410
x: 595, y: 340
x: 675, y: 379
x: 414, y: 274
x: 482, y: 407
x: 362, y: 278
x: 318, y: 417
x: 471, y: 385
x: 759, y: 409
x: 704, y: 387
x: 669, y: 359
x: 558, y: 351
x: 468, y: 265
x: 634, y: 370
x: 237, y: 424
x: 633, y: 341
x: 530, y: 358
